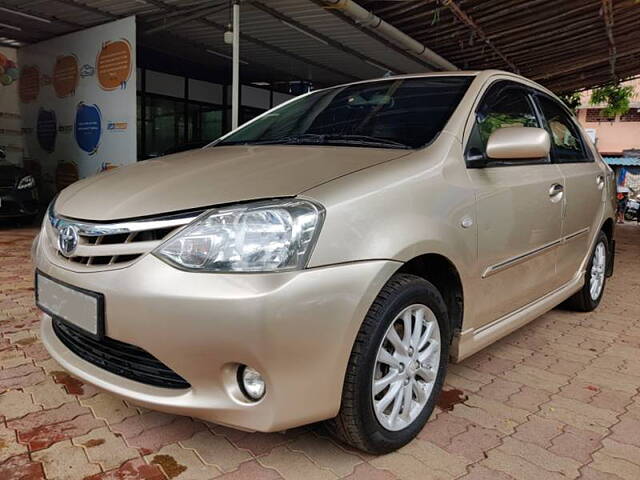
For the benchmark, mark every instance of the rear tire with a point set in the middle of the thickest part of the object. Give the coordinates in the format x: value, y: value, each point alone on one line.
x: 362, y: 421
x: 588, y: 297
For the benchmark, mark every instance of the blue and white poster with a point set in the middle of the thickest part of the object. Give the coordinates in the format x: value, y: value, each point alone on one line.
x: 88, y: 127
x: 77, y: 89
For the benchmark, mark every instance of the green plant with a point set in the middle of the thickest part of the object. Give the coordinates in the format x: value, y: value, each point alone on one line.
x: 616, y: 97
x: 571, y: 100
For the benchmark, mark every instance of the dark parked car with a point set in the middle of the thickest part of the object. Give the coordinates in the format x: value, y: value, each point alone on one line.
x: 18, y: 192
x: 633, y: 207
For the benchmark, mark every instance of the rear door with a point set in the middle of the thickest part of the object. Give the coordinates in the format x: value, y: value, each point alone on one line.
x: 584, y: 185
x: 519, y: 210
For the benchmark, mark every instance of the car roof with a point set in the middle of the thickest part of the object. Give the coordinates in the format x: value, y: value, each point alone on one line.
x: 479, y: 74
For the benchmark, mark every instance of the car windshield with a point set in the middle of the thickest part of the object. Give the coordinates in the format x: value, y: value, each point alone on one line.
x: 394, y: 113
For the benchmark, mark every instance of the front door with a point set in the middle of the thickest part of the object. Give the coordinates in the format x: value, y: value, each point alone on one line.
x: 519, y: 211
x: 584, y: 186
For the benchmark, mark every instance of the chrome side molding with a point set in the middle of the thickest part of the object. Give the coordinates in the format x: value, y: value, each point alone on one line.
x: 513, y: 261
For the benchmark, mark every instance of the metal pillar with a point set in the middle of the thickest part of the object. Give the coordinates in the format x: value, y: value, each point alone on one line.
x: 235, y: 81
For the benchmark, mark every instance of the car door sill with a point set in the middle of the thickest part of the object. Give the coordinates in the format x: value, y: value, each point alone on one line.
x: 472, y: 341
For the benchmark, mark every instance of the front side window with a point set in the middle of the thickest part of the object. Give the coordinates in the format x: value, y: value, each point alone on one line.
x: 504, y: 105
x: 394, y: 113
x: 566, y: 143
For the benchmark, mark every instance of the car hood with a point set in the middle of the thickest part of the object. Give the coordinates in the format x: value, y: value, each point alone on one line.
x: 212, y: 176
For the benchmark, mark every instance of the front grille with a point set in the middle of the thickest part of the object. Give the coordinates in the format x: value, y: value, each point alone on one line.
x: 118, y: 357
x: 105, y: 244
x: 153, y: 235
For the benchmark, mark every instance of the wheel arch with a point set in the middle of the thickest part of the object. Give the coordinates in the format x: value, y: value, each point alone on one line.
x: 443, y: 274
x: 608, y: 228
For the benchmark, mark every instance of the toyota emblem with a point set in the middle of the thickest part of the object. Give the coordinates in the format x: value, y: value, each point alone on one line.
x: 67, y: 240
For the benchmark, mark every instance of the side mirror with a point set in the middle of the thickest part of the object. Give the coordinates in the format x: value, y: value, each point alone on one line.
x: 518, y: 143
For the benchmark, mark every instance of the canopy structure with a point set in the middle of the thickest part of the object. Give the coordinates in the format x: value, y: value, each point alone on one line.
x: 623, y: 161
x: 568, y: 45
x: 565, y: 45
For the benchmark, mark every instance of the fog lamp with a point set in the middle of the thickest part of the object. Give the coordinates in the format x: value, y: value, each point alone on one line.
x: 251, y: 383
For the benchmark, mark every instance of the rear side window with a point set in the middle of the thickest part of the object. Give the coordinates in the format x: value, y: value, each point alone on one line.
x: 504, y: 105
x: 566, y: 142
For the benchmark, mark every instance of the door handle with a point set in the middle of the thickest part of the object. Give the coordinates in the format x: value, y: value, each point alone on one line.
x: 555, y: 192
x: 600, y: 182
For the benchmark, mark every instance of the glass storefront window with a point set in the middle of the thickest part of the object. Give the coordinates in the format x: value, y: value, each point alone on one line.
x: 167, y: 125
x: 164, y: 124
x: 204, y: 122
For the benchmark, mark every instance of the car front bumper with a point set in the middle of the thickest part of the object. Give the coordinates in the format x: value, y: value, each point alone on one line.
x: 296, y: 328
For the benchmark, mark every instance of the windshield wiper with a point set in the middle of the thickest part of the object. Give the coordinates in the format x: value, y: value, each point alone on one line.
x: 325, y: 139
x: 285, y: 140
x: 364, y: 140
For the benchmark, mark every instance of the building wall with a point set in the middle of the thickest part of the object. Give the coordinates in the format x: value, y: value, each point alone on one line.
x: 613, y: 135
x: 10, y: 123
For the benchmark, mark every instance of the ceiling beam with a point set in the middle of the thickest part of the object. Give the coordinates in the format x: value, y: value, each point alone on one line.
x: 52, y: 19
x: 193, y: 14
x: 372, y: 34
x: 170, y: 8
x: 243, y: 36
x: 606, y: 12
x: 478, y: 31
x: 581, y: 66
x: 188, y: 46
x: 88, y: 8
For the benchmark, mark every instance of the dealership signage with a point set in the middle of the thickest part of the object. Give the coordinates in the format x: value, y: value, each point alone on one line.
x: 82, y: 85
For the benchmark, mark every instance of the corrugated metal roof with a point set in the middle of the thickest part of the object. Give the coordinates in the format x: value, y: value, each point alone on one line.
x: 623, y: 161
x: 565, y: 45
x: 280, y: 39
x: 562, y: 44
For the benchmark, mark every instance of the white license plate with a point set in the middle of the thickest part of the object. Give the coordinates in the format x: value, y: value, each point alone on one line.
x: 77, y: 306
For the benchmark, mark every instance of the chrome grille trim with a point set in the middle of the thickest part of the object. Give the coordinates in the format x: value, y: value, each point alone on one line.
x: 109, y: 250
x: 113, y: 245
x: 88, y: 229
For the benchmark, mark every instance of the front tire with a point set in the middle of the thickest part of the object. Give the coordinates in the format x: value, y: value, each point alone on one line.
x: 588, y: 297
x: 397, y: 367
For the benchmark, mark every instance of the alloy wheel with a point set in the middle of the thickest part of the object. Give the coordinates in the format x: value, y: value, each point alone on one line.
x: 406, y: 367
x: 598, y: 267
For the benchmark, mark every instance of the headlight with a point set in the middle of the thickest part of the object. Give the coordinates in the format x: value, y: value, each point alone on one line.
x: 255, y: 237
x: 26, y: 182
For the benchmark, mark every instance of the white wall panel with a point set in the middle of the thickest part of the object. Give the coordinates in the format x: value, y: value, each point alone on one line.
x: 205, y: 91
x: 255, y: 97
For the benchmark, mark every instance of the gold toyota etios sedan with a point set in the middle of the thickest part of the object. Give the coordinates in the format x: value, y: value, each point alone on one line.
x: 327, y: 259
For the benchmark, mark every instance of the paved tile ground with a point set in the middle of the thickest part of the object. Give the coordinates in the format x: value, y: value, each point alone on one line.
x: 557, y: 399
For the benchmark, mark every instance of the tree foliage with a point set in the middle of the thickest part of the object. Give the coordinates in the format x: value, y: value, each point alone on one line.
x: 571, y: 100
x: 616, y: 97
